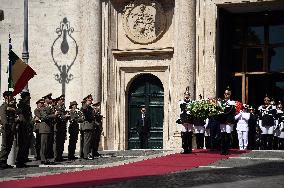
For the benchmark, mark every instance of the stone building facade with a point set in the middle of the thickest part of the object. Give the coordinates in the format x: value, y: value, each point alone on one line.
x: 103, y: 47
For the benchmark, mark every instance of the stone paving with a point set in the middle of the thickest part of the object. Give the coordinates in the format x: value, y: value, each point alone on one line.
x: 259, y: 169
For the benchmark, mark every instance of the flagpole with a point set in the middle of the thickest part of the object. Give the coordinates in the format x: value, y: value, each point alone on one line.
x: 25, y: 54
x: 12, y: 155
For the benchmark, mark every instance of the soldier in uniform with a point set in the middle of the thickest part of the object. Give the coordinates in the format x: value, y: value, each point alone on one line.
x: 76, y: 117
x: 60, y: 128
x: 277, y: 124
x: 7, y: 117
x: 143, y: 125
x: 267, y: 114
x: 88, y: 126
x: 252, y: 124
x: 227, y: 121
x: 24, y: 129
x: 187, y: 123
x: 36, y: 120
x: 47, y: 116
x: 98, y: 129
x: 81, y: 153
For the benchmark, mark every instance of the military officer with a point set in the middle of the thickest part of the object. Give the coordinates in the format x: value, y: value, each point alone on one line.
x: 76, y: 117
x: 81, y: 154
x: 45, y: 129
x: 60, y: 128
x: 227, y: 121
x: 24, y: 129
x: 8, y: 118
x: 88, y: 126
x: 39, y: 104
x: 187, y: 123
x: 267, y: 114
x: 97, y: 129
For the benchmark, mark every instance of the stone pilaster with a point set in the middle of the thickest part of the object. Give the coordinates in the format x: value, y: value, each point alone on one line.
x: 91, y: 43
x: 185, y: 42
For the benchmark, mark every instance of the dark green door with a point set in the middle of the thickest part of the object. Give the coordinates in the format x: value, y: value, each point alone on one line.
x: 146, y: 90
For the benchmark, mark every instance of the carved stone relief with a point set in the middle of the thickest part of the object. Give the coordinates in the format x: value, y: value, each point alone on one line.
x: 144, y: 21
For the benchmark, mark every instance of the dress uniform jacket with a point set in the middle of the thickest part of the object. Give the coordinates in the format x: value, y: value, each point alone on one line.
x: 46, y: 117
x: 89, y: 118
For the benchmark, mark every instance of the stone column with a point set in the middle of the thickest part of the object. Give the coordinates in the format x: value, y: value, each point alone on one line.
x: 91, y: 52
x: 185, y: 43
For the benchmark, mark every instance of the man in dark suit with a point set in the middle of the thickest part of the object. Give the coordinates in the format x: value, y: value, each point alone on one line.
x: 98, y: 123
x: 143, y: 127
x: 7, y: 125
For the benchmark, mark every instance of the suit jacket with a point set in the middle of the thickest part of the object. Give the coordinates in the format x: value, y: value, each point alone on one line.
x: 143, y: 126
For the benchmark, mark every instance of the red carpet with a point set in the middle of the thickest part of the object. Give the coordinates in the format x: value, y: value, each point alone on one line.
x: 150, y: 167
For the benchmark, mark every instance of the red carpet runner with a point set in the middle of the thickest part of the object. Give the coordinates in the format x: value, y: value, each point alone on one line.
x: 150, y: 167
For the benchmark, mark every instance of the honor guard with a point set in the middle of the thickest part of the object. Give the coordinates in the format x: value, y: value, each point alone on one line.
x: 76, y: 117
x: 98, y: 129
x: 24, y: 129
x: 186, y: 121
x: 36, y: 120
x: 252, y: 124
x: 267, y: 113
x: 88, y: 126
x: 280, y: 128
x: 277, y: 124
x: 7, y: 123
x: 81, y: 154
x: 47, y: 117
x: 227, y: 121
x: 60, y: 128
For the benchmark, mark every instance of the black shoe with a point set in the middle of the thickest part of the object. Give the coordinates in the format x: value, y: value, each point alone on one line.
x: 5, y: 166
x: 97, y: 155
x: 72, y: 158
x: 45, y: 162
x: 21, y: 165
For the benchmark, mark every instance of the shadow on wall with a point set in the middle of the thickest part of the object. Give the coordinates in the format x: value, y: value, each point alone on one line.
x: 64, y: 51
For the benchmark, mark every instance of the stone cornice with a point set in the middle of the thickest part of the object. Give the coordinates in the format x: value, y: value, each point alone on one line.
x: 143, y: 51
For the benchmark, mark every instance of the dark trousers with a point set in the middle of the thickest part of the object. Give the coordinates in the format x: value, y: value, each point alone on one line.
x: 225, y: 142
x: 88, y: 138
x: 58, y: 146
x: 37, y: 145
x: 275, y: 143
x: 143, y: 137
x: 81, y: 153
x: 7, y: 143
x: 50, y: 143
x: 266, y: 141
x: 45, y: 140
x: 186, y: 141
x: 281, y: 143
x: 251, y: 139
x: 199, y: 140
x: 73, y: 137
x: 215, y: 135
x: 96, y: 142
x: 23, y: 146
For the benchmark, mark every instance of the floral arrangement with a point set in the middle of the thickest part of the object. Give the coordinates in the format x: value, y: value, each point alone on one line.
x: 202, y: 109
x: 239, y: 107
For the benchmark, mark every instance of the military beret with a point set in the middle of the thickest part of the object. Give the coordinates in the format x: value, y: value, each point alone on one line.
x: 25, y: 94
x: 88, y: 97
x: 40, y: 101
x: 48, y: 96
x: 7, y: 93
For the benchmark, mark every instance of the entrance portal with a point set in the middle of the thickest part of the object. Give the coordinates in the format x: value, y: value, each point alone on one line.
x: 146, y: 90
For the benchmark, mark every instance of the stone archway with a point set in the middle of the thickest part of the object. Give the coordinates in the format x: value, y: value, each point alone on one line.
x: 147, y: 90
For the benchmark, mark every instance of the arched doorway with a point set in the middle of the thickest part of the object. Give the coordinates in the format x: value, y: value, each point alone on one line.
x: 146, y: 90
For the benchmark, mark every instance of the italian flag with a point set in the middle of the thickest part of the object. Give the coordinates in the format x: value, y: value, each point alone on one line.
x: 20, y: 73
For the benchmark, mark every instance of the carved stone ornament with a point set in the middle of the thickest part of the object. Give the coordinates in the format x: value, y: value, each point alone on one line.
x: 144, y: 21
